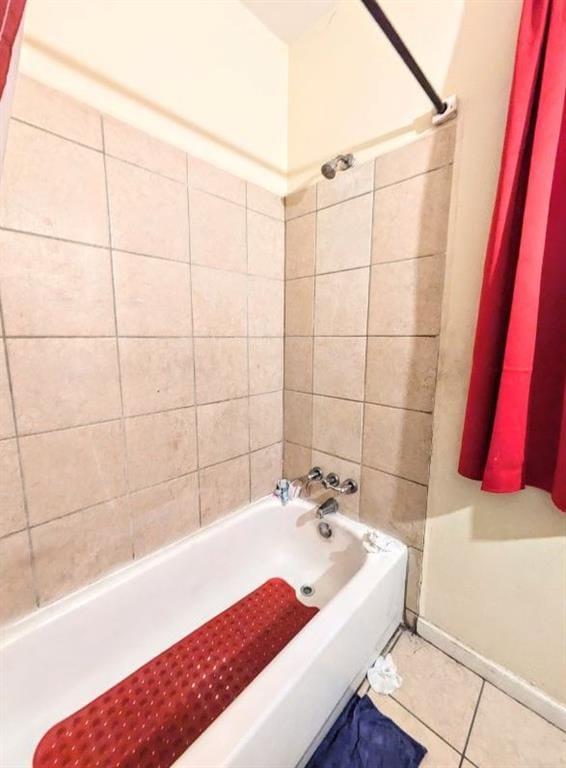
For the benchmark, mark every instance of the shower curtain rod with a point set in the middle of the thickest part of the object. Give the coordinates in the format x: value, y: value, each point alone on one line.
x: 392, y: 35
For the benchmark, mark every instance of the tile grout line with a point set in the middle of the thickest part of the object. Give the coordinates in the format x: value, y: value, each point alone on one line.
x: 367, y: 466
x: 369, y: 265
x: 426, y: 725
x: 473, y: 720
x: 193, y: 345
x: 133, y: 492
x: 98, y: 246
x: 313, y: 320
x: 248, y: 339
x: 364, y: 401
x: 33, y: 567
x: 369, y: 191
x: 144, y: 167
x: 130, y: 417
x: 122, y: 419
x: 18, y: 337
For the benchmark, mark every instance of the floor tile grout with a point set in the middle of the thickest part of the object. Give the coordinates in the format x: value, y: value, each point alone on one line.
x: 472, y: 723
x: 425, y: 724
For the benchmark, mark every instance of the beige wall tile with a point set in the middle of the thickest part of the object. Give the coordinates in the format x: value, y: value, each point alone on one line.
x: 219, y: 302
x: 337, y: 427
x: 343, y: 235
x: 264, y: 201
x: 148, y: 213
x: 349, y: 503
x: 419, y: 156
x: 204, y: 176
x: 221, y: 369
x: 265, y: 307
x: 16, y: 582
x: 53, y: 187
x: 75, y: 550
x: 339, y: 366
x: 300, y: 202
x: 50, y: 109
x: 299, y: 306
x: 411, y: 218
x: 266, y: 246
x: 266, y: 365
x: 266, y: 420
x: 297, y: 460
x: 161, y: 446
x: 414, y: 576
x: 218, y: 232
x: 402, y: 371
x: 341, y: 303
x: 224, y: 488
x: 298, y: 363
x: 505, y: 733
x: 53, y: 288
x: 73, y: 468
x: 406, y: 297
x: 398, y: 441
x: 300, y: 238
x: 6, y: 415
x: 164, y: 513
x: 393, y: 505
x: 298, y: 417
x: 439, y: 754
x: 222, y: 431
x: 157, y: 374
x: 126, y: 142
x: 266, y: 468
x: 356, y: 181
x: 12, y: 512
x: 153, y: 296
x: 63, y: 382
x: 440, y: 692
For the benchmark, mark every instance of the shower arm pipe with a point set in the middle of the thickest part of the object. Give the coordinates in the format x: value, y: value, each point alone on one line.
x: 393, y: 36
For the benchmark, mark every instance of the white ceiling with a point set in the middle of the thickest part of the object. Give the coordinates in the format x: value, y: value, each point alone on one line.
x: 288, y: 19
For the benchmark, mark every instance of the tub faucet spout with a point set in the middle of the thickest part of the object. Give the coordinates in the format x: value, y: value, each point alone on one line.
x: 328, y: 507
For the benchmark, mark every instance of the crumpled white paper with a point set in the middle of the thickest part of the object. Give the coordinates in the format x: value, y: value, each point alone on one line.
x: 383, y: 676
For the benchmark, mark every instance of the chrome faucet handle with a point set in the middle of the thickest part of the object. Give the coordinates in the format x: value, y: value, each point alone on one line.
x: 331, y: 480
x: 348, y: 487
x: 314, y: 475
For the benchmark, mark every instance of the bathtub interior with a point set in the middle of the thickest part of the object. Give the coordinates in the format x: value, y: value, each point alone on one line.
x: 68, y: 653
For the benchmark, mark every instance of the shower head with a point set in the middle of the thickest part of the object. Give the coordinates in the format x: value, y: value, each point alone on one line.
x: 339, y: 163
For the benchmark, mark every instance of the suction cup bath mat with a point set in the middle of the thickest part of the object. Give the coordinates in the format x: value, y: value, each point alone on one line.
x: 150, y: 718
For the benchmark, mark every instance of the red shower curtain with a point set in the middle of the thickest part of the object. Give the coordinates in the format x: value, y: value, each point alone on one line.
x: 515, y: 425
x: 11, y: 12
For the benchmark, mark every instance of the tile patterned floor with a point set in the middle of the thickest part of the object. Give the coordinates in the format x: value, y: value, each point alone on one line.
x: 463, y: 721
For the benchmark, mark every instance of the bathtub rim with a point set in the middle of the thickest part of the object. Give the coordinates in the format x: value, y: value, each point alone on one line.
x: 57, y: 608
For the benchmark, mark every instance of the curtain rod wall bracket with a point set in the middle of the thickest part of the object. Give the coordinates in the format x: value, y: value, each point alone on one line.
x: 445, y: 110
x: 450, y: 112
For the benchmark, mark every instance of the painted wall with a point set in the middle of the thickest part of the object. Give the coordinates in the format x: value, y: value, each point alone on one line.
x: 494, y: 566
x: 217, y: 88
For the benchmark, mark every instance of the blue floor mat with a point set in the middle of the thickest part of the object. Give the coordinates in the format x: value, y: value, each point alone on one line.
x: 362, y: 737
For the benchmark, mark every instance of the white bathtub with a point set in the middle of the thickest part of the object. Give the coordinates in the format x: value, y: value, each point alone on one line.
x: 66, y: 654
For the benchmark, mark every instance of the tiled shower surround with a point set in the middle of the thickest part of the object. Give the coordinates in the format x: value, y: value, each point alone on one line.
x: 364, y: 278
x: 141, y: 365
x: 143, y: 315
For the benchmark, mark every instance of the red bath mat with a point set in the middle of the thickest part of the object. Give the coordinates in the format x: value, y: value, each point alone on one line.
x: 151, y: 717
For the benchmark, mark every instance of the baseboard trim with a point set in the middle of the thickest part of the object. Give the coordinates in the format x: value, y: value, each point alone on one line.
x: 514, y: 686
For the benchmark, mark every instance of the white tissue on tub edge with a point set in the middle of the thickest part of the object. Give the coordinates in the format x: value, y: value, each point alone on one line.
x: 383, y: 676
